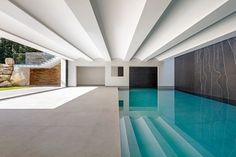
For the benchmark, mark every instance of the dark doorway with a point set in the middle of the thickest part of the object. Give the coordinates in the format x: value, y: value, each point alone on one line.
x: 143, y: 77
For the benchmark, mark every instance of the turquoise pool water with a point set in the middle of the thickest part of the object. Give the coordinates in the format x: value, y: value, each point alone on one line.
x: 171, y: 123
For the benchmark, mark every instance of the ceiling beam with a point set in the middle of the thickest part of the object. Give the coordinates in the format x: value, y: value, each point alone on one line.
x: 118, y: 20
x: 18, y: 15
x: 12, y: 37
x: 220, y: 31
x: 83, y: 11
x: 150, y: 15
x: 178, y: 26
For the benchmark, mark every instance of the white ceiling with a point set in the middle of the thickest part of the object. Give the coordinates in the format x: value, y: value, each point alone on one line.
x: 117, y: 29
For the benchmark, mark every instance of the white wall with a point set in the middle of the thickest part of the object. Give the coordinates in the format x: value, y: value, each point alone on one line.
x: 115, y: 80
x: 109, y: 80
x: 72, y: 70
x: 91, y: 76
x: 166, y: 76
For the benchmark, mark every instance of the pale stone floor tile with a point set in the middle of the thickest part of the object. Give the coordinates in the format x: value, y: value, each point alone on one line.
x: 82, y: 127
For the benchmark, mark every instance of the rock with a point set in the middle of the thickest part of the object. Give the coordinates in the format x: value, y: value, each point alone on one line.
x: 4, y: 78
x: 8, y: 67
x: 5, y: 66
x: 20, y: 76
x: 9, y: 61
x: 5, y: 71
x: 5, y: 84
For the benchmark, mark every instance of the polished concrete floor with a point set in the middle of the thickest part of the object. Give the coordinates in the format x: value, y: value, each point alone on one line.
x: 87, y: 126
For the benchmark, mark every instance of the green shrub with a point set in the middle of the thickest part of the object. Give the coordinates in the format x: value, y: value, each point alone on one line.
x: 14, y: 50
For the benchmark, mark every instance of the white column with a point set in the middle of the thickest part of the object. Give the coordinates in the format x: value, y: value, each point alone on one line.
x: 63, y: 73
x: 72, y: 74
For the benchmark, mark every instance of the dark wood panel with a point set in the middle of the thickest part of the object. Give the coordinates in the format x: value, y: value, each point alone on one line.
x: 46, y: 77
x: 120, y: 71
x: 210, y: 71
x: 143, y: 77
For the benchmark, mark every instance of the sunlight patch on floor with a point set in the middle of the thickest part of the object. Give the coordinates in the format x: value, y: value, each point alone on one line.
x: 47, y: 100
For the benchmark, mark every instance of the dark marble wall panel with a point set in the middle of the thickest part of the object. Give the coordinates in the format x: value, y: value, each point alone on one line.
x: 184, y: 81
x: 210, y: 71
x: 143, y: 77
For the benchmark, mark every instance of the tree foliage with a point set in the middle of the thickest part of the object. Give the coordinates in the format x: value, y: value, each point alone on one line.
x: 12, y: 49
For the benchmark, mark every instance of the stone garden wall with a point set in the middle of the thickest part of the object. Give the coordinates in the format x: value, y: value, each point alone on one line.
x: 6, y: 72
x: 11, y: 75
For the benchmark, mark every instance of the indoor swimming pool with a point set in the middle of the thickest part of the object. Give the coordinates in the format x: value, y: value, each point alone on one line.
x: 171, y: 123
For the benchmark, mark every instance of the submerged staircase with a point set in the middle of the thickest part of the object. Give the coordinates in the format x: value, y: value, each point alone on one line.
x: 155, y: 137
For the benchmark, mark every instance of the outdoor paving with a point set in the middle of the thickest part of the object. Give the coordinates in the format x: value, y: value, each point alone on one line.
x: 5, y: 94
x: 86, y: 126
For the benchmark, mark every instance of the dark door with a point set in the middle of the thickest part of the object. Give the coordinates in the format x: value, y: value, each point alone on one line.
x: 143, y: 77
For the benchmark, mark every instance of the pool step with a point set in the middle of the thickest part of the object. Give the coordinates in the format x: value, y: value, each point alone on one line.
x: 182, y: 147
x: 129, y: 143
x: 155, y: 137
x: 133, y: 145
x: 148, y: 144
x: 124, y: 139
x: 164, y: 144
x: 186, y: 142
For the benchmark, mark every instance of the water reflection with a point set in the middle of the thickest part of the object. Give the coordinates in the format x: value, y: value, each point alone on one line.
x: 204, y: 125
